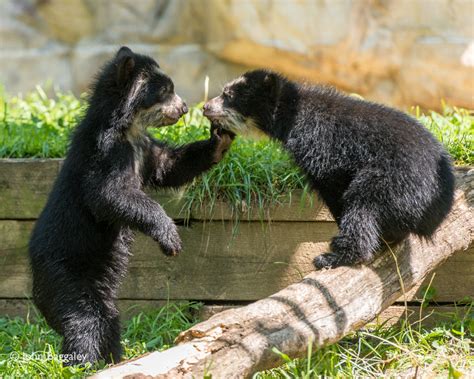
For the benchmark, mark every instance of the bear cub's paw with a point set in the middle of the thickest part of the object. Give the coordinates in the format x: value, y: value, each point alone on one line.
x: 222, y: 140
x: 169, y: 240
x: 333, y: 260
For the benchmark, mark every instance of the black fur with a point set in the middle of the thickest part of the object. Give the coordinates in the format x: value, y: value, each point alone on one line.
x: 79, y: 248
x: 380, y: 172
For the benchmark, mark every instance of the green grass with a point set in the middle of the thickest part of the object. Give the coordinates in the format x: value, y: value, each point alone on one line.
x: 252, y: 175
x: 29, y: 349
x: 454, y: 127
x: 37, y: 125
x: 400, y: 350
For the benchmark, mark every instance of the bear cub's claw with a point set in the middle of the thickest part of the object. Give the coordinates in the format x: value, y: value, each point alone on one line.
x: 326, y: 260
x: 333, y: 260
x: 170, y: 253
x: 171, y: 249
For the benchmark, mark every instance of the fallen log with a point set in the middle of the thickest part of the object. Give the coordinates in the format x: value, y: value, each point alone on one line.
x: 321, y: 309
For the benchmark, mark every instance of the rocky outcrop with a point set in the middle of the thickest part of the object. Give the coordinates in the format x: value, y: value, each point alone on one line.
x: 401, y: 52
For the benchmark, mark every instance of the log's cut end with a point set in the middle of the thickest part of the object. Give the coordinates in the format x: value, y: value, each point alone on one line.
x: 320, y: 309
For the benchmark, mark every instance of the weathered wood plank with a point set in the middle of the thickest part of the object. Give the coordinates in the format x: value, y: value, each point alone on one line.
x: 220, y: 263
x: 14, y: 270
x: 26, y: 183
x: 295, y: 207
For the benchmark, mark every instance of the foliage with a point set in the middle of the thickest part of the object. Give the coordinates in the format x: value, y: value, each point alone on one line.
x: 454, y: 127
x: 29, y: 349
x: 37, y: 125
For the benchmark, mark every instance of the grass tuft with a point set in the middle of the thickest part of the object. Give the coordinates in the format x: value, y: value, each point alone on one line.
x: 454, y: 127
x: 445, y: 350
x: 253, y: 173
x: 30, y: 349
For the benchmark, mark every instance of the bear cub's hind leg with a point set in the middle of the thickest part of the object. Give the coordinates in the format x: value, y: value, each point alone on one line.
x: 90, y: 336
x: 358, y: 239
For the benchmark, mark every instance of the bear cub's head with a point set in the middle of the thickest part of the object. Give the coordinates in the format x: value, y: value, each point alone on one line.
x: 247, y: 104
x: 145, y: 92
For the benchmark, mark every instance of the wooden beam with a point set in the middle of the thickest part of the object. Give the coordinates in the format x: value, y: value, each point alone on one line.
x: 26, y: 183
x: 222, y: 262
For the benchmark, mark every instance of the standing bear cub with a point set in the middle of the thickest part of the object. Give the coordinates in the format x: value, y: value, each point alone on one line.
x: 379, y: 171
x: 79, y: 248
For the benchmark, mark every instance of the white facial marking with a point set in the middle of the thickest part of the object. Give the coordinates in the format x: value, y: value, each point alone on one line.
x: 152, y: 116
x: 137, y: 86
x: 159, y: 71
x: 138, y: 160
x: 247, y: 127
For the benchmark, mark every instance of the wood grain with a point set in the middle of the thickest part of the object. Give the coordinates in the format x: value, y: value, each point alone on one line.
x: 25, y: 185
x: 220, y: 262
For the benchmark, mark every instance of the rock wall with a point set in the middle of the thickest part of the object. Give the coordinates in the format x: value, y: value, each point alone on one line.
x: 401, y: 52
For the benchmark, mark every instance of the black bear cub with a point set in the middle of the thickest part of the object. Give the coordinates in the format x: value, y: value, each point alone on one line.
x: 79, y: 248
x: 380, y: 172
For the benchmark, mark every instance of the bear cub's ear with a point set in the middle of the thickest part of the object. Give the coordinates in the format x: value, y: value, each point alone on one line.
x: 125, y: 64
x: 272, y: 84
x: 123, y: 51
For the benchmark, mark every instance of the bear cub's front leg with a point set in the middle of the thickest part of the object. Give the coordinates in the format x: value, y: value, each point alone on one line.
x: 167, y: 236
x: 181, y: 166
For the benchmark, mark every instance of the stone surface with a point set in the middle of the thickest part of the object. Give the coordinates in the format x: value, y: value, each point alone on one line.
x: 401, y: 52
x: 67, y: 21
x: 22, y: 70
x: 188, y: 65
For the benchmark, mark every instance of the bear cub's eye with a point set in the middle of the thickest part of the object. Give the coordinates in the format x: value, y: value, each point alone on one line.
x: 229, y: 95
x: 166, y: 89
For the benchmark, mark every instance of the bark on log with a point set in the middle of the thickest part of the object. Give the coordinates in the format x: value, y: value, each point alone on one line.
x: 322, y: 308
